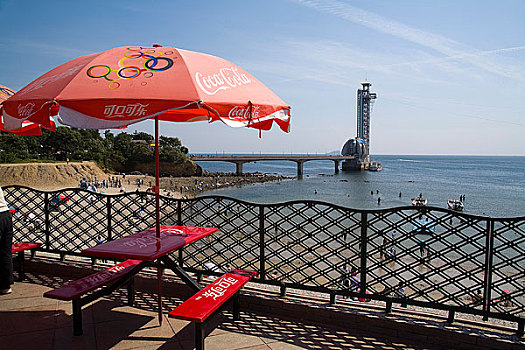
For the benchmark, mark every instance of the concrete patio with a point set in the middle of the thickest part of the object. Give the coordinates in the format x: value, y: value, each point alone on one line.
x: 30, y: 321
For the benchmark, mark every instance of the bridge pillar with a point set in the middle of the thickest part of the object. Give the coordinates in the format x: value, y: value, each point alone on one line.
x: 238, y: 168
x: 299, y: 167
x: 336, y: 164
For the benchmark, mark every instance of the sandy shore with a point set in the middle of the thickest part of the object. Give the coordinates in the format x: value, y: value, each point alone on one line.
x: 57, y: 176
x: 175, y: 187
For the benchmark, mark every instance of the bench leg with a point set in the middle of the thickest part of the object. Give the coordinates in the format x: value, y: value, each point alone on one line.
x: 236, y: 307
x: 77, y: 318
x: 199, y: 336
x: 131, y: 291
x: 21, y: 274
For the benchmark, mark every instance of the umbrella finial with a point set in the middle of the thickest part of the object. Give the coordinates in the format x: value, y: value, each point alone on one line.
x: 156, y: 45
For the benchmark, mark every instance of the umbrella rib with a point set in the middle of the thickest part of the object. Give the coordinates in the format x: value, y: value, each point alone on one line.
x: 95, y: 56
x: 185, y: 65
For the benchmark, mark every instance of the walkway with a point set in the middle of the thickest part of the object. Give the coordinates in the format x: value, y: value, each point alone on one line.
x: 30, y: 321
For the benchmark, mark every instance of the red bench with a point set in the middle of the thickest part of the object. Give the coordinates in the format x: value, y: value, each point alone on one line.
x: 20, y: 248
x: 206, y: 301
x: 119, y: 275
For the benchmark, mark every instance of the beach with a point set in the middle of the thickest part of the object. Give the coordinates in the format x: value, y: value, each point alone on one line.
x: 56, y: 176
x: 184, y: 187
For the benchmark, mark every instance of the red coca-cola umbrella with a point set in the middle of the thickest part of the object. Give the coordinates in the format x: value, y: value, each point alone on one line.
x: 125, y: 85
x: 27, y: 127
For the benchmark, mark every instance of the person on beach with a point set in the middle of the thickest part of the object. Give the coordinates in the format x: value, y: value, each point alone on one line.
x: 345, y: 278
x: 382, y: 249
x: 422, y: 248
x: 6, y: 242
x: 400, y: 293
x: 354, y: 280
x: 477, y: 299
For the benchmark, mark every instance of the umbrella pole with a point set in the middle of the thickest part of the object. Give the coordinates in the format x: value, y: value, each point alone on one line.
x: 157, y: 215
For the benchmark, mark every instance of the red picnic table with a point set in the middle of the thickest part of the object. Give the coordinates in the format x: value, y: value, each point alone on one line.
x: 147, y: 247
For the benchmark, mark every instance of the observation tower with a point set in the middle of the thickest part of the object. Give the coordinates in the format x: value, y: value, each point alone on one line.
x: 360, y: 146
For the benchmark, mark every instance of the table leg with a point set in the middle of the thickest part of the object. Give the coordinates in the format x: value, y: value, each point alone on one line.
x: 21, y: 272
x: 181, y: 273
x: 159, y: 290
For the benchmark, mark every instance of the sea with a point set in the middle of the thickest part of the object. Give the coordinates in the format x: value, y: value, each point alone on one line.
x: 493, y: 186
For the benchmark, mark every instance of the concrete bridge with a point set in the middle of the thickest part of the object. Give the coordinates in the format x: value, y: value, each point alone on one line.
x: 240, y: 160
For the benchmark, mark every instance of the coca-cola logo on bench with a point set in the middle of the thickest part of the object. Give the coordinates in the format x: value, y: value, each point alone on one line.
x: 218, y: 288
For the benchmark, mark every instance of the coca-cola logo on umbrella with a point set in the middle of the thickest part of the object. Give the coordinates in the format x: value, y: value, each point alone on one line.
x: 224, y: 79
x: 243, y: 112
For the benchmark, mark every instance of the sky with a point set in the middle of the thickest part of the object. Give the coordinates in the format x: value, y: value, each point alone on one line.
x: 449, y: 75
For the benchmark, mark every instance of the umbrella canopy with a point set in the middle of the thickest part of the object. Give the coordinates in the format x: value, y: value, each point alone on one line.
x: 26, y: 127
x: 5, y: 93
x: 125, y: 85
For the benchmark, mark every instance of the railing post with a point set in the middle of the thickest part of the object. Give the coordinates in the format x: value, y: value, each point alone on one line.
x: 451, y: 315
x: 179, y: 213
x: 332, y: 297
x: 179, y: 223
x: 388, y: 306
x: 108, y: 211
x: 489, y: 254
x: 363, y: 241
x: 262, y: 270
x: 521, y: 324
x: 47, y: 222
x: 282, y: 290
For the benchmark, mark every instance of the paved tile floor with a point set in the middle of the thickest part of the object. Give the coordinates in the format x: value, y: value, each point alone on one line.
x: 30, y: 321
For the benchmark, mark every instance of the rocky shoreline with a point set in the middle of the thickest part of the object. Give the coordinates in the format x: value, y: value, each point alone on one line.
x: 187, y: 187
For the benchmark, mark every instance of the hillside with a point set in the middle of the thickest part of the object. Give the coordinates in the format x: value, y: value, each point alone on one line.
x: 48, y: 175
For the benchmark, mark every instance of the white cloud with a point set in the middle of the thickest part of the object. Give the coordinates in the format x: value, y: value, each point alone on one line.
x: 40, y: 48
x: 451, y: 48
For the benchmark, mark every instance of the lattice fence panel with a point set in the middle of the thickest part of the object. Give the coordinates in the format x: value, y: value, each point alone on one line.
x: 135, y: 211
x: 77, y: 220
x: 132, y: 213
x: 508, y: 272
x: 29, y: 218
x: 308, y: 243
x: 237, y: 243
x: 434, y: 256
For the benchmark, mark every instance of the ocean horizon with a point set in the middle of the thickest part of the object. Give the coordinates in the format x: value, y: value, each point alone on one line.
x: 492, y: 185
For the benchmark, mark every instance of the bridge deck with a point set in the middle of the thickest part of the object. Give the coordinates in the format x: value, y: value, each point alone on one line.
x: 253, y: 158
x: 239, y: 160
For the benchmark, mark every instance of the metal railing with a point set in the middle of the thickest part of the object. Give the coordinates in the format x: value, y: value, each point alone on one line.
x: 422, y: 256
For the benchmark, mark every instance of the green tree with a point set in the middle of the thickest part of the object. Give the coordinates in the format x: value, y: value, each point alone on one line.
x: 123, y: 150
x: 165, y: 141
x: 143, y: 136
